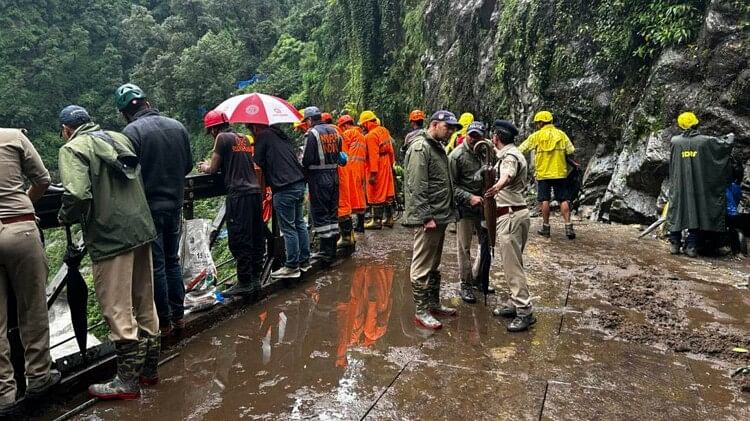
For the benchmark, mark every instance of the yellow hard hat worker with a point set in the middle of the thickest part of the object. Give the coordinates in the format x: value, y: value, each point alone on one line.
x: 687, y: 120
x: 465, y: 120
x: 366, y: 116
x: 543, y: 117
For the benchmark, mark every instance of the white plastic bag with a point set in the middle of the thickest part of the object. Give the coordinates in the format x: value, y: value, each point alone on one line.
x: 198, y: 268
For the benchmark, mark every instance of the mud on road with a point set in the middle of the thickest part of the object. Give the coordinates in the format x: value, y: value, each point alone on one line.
x: 624, y: 331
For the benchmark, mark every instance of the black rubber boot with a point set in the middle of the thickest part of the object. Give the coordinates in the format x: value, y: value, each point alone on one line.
x: 467, y: 293
x: 360, y: 227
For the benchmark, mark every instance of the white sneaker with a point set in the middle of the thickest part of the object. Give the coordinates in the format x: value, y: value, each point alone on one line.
x: 286, y: 273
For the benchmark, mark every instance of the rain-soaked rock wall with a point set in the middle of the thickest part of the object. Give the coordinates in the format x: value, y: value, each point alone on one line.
x: 510, y: 58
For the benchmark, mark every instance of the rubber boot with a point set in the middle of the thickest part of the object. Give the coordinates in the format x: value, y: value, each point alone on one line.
x: 347, y: 233
x: 544, y: 231
x: 360, y: 223
x: 434, y: 305
x: 247, y: 285
x: 422, y: 316
x: 376, y: 223
x: 151, y: 353
x: 129, y: 364
x: 388, y: 216
x: 570, y: 232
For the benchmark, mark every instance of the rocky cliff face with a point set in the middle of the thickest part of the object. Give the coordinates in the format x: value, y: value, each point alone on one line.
x: 511, y: 58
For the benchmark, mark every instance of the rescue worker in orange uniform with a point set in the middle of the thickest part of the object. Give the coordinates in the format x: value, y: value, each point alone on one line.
x: 356, y: 148
x: 346, y: 226
x: 380, y: 159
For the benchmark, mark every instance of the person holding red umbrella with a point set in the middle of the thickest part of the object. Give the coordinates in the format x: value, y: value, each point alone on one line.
x: 232, y: 154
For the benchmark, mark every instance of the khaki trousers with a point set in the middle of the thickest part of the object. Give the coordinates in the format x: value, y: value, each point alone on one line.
x: 124, y: 286
x: 425, y: 261
x: 23, y: 267
x: 466, y: 228
x: 512, y: 234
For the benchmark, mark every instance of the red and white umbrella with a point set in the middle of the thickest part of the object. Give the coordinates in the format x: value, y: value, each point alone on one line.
x: 259, y: 109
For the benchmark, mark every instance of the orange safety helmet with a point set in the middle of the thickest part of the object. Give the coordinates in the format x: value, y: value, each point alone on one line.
x: 344, y: 119
x: 416, y: 115
x: 327, y: 118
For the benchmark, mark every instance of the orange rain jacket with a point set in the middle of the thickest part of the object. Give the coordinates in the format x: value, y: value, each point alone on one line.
x: 380, y: 159
x: 345, y: 206
x: 357, y: 150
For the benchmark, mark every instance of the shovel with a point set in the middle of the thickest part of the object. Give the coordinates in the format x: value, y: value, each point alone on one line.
x: 78, y: 293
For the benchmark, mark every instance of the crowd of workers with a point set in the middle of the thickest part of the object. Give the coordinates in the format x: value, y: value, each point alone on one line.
x: 126, y: 191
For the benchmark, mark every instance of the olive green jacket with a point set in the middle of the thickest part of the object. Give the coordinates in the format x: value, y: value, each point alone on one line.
x: 427, y: 186
x: 464, y: 165
x: 104, y: 193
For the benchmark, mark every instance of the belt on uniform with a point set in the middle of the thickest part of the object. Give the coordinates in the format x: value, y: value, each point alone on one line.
x: 383, y: 153
x: 19, y: 218
x: 504, y: 210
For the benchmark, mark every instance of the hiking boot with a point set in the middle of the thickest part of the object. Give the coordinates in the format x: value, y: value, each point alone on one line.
x: 245, y: 286
x: 490, y: 289
x: 305, y: 266
x: 165, y: 329
x: 467, y: 294
x: 441, y: 310
x: 544, y: 231
x: 521, y: 323
x: 178, y: 324
x: 724, y: 251
x: 151, y: 352
x: 41, y: 390
x: 286, y: 272
x: 505, y: 311
x: 426, y: 319
x: 570, y: 232
x: 691, y: 252
x: 125, y: 384
x: 674, y: 248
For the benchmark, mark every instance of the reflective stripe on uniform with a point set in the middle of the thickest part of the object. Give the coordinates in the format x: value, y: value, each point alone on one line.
x: 321, y: 155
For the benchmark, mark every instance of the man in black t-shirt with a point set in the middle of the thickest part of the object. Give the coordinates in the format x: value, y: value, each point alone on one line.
x: 233, y: 155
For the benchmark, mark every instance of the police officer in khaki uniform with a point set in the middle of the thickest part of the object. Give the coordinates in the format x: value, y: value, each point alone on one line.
x: 23, y: 267
x: 512, y: 225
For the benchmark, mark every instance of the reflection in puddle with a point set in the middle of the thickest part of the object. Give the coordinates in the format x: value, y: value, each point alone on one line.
x: 364, y: 318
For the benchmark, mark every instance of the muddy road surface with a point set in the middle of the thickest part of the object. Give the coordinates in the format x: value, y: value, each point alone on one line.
x: 624, y: 331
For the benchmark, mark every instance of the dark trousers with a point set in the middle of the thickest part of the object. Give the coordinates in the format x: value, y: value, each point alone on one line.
x: 169, y: 290
x: 324, y: 202
x: 675, y: 237
x: 246, y: 234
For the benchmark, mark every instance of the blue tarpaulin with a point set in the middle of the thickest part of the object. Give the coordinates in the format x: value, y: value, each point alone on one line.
x: 254, y: 78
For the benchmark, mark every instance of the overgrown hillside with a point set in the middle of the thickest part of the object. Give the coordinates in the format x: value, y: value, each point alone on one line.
x: 615, y: 73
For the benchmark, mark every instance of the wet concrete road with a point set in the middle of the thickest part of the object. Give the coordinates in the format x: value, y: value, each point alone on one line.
x: 624, y: 331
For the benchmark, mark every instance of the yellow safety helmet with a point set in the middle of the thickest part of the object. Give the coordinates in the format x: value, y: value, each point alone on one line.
x: 366, y: 116
x: 543, y: 116
x: 687, y: 120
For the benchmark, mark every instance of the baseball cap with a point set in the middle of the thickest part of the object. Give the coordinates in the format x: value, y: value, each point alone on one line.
x: 447, y: 117
x: 74, y: 115
x: 476, y: 127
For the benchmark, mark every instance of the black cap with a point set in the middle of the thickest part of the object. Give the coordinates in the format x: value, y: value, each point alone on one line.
x: 74, y: 115
x: 476, y: 127
x: 447, y: 117
x: 507, y: 127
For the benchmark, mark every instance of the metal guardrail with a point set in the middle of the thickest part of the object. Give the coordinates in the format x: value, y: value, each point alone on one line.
x: 197, y: 187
